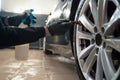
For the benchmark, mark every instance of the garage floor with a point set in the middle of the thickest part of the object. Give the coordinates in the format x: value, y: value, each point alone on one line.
x: 37, y: 67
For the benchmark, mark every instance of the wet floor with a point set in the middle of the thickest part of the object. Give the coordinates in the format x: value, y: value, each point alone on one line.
x: 37, y: 67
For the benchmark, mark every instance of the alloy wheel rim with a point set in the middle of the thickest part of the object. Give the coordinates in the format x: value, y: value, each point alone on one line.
x: 95, y: 40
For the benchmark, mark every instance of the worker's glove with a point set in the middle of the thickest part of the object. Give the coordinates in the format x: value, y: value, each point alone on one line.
x: 16, y: 20
x: 60, y: 27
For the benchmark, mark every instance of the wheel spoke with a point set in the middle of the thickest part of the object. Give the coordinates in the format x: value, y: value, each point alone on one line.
x: 116, y: 15
x: 111, y: 26
x: 84, y: 35
x: 113, y: 23
x: 99, y: 69
x: 93, y: 8
x: 114, y: 43
x: 102, y: 8
x: 90, y: 61
x: 87, y: 24
x: 86, y: 51
x: 107, y: 64
x: 117, y: 74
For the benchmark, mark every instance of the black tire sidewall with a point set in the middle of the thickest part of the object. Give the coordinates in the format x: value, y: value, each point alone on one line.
x: 80, y: 74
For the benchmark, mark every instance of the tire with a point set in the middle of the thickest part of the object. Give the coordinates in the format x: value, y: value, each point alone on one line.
x: 97, y: 40
x: 73, y: 10
x: 48, y: 52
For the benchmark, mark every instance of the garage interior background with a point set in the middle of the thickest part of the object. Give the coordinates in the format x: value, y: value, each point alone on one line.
x: 42, y: 8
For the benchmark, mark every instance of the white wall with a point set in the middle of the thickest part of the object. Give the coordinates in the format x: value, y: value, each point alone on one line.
x: 0, y: 5
x: 39, y: 6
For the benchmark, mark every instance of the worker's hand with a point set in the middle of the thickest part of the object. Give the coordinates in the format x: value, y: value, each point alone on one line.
x: 60, y: 27
x: 16, y: 20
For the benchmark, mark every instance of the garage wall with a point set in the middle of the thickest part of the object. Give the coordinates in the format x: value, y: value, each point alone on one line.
x: 39, y: 6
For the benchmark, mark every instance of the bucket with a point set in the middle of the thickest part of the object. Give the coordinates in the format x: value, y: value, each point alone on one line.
x: 22, y: 52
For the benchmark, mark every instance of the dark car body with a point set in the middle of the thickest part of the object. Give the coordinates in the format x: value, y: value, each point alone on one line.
x: 65, y: 9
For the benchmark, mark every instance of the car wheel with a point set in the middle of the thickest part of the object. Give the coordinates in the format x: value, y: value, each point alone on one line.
x: 97, y: 40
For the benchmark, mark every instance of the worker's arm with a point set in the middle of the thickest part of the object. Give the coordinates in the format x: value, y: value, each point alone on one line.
x: 15, y: 36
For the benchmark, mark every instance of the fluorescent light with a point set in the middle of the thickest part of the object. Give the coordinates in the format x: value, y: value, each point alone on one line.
x: 21, y: 11
x: 18, y: 11
x: 36, y: 12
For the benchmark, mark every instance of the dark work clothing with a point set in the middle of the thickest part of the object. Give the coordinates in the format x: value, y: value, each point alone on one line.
x: 15, y: 36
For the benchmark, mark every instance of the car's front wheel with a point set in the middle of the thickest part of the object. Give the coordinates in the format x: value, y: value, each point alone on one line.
x: 97, y: 40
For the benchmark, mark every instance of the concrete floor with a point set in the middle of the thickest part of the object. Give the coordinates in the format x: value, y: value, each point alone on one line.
x: 37, y: 67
